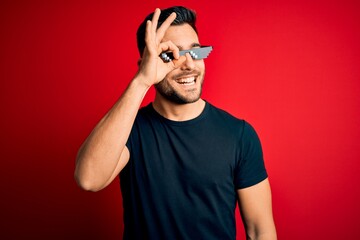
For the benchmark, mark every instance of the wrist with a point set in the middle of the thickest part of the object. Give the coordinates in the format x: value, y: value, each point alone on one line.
x: 139, y: 81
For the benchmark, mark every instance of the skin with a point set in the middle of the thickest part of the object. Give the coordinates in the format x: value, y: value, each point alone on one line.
x: 256, y: 211
x: 184, y: 37
x: 178, y: 83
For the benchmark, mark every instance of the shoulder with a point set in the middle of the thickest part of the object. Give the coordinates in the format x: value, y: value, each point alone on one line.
x: 220, y: 113
x: 146, y: 112
x: 145, y: 109
x: 227, y: 119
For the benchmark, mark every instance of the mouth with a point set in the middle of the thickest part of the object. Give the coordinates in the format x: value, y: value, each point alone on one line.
x: 186, y: 81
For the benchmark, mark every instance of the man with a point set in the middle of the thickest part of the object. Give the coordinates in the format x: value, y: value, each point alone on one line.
x: 183, y: 163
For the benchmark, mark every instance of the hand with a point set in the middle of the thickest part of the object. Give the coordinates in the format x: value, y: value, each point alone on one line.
x: 152, y: 68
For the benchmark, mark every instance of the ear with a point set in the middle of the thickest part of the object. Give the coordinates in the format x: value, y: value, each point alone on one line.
x: 139, y: 62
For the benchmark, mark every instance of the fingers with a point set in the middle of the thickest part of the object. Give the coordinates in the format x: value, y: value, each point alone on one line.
x: 158, y: 33
x: 155, y: 20
x: 165, y: 25
x: 154, y: 35
x: 178, y: 62
x: 169, y: 47
x: 150, y: 30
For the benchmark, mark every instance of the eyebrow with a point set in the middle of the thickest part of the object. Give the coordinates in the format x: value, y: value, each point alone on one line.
x: 192, y: 46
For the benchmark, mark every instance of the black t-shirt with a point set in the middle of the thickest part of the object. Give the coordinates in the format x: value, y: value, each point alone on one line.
x: 182, y: 177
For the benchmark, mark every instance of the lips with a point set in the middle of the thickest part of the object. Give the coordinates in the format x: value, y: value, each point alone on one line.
x: 186, y: 80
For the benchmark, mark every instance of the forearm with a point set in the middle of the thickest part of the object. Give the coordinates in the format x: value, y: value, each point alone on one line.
x: 271, y: 235
x: 99, y: 155
x: 256, y: 211
x: 261, y: 230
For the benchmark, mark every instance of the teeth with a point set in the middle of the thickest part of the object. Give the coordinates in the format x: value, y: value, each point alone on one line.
x: 186, y: 80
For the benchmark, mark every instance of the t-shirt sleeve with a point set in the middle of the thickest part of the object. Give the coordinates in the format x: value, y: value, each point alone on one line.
x: 132, y: 137
x: 250, y: 167
x: 128, y: 143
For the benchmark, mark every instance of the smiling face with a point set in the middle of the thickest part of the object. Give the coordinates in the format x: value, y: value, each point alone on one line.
x: 184, y: 84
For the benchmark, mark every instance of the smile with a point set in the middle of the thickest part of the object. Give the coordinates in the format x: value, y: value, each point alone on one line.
x: 186, y: 81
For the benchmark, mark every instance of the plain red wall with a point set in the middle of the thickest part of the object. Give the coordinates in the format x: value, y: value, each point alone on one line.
x: 291, y: 69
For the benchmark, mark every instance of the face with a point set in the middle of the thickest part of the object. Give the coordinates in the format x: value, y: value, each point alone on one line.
x: 184, y: 84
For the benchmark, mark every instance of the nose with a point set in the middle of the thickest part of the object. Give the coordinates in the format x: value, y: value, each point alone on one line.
x: 189, y: 63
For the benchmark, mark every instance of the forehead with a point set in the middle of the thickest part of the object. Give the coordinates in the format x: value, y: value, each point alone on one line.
x: 183, y: 36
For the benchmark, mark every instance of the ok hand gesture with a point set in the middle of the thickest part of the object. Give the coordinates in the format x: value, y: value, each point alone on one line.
x: 152, y: 68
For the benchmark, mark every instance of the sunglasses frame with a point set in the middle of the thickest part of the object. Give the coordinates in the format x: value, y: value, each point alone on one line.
x: 195, y: 53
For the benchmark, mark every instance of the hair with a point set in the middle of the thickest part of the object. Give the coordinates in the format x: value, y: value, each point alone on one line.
x: 183, y: 15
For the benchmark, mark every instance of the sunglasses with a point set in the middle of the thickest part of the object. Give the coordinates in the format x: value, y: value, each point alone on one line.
x: 195, y: 53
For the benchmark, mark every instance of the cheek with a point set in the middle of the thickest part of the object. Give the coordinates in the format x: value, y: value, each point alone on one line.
x: 169, y: 76
x: 200, y: 64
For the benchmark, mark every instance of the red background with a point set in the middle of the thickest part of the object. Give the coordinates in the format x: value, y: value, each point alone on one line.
x: 291, y: 69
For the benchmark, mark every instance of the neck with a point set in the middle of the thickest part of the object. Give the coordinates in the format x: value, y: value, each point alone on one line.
x: 178, y: 112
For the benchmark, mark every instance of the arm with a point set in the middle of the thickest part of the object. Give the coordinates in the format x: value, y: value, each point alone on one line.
x: 104, y: 154
x: 256, y: 211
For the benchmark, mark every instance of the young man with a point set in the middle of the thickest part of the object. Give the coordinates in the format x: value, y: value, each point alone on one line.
x: 183, y: 163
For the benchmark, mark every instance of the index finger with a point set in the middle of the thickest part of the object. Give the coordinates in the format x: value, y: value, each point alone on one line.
x: 164, y: 26
x: 154, y: 20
